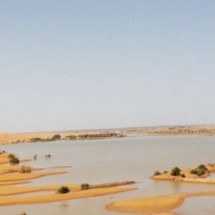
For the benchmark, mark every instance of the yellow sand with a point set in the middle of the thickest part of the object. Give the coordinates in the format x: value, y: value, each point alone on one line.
x: 155, y: 204
x: 26, y: 176
x: 147, y: 204
x: 6, y: 138
x: 22, y: 137
x: 21, y: 190
x: 62, y: 197
x: 14, y: 168
x: 13, y: 183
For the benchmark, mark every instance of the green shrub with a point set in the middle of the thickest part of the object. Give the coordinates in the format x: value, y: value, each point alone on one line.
x: 14, y: 160
x: 203, y: 167
x: 193, y: 171
x: 56, y: 137
x: 164, y: 172
x: 11, y: 156
x: 25, y: 169
x: 175, y: 171
x: 36, y: 139
x: 63, y: 190
x: 85, y: 186
x: 157, y: 173
x: 200, y: 172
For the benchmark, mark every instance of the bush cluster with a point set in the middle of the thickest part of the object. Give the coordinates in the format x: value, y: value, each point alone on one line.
x: 200, y: 170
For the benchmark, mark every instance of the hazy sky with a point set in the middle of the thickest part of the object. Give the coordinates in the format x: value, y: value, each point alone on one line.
x: 90, y: 64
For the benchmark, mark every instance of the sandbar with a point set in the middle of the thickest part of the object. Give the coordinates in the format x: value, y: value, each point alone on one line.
x: 186, y: 176
x: 62, y: 197
x: 154, y: 204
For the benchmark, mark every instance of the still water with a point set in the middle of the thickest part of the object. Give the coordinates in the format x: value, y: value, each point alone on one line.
x: 111, y: 160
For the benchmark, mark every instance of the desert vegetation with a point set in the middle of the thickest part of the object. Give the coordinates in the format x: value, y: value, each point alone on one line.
x: 63, y: 190
x: 175, y: 171
x: 85, y: 186
x: 25, y: 169
x: 14, y: 160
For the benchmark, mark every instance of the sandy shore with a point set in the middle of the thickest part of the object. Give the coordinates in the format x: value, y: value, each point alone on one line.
x: 6, y: 138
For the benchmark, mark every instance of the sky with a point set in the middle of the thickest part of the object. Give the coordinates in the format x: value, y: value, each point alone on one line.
x: 68, y: 65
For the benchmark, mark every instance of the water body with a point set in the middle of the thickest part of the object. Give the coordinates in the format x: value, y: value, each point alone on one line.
x: 110, y: 160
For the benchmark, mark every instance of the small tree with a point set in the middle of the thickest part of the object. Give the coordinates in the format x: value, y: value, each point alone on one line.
x: 25, y: 169
x: 156, y: 173
x: 85, y: 186
x: 11, y: 156
x: 200, y: 172
x: 175, y: 171
x: 193, y: 171
x: 56, y: 137
x: 203, y: 167
x: 14, y: 160
x: 63, y: 190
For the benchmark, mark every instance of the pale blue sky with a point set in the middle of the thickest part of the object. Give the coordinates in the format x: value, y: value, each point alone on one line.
x: 91, y: 64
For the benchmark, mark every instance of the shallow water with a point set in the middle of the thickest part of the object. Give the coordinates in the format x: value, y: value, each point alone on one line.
x: 110, y: 160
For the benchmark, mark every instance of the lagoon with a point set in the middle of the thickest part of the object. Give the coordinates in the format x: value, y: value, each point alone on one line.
x: 119, y: 159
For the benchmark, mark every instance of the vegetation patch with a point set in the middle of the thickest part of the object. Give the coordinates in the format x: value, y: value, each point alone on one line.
x: 157, y: 173
x: 63, y: 190
x: 14, y: 160
x: 11, y: 156
x: 56, y: 137
x: 25, y: 169
x: 202, y: 167
x: 175, y: 171
x: 201, y: 172
x: 85, y: 186
x: 193, y: 171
